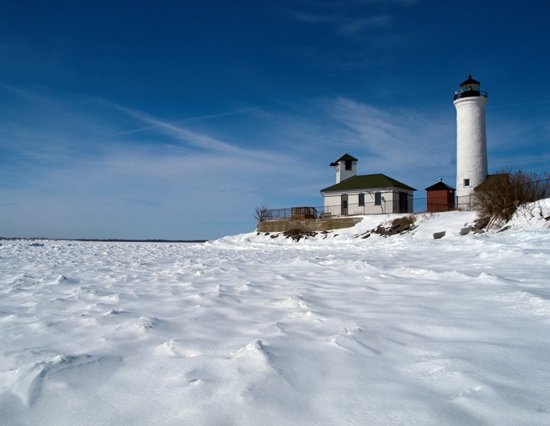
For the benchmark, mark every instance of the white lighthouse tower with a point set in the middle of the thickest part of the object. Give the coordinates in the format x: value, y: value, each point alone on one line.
x: 471, y: 144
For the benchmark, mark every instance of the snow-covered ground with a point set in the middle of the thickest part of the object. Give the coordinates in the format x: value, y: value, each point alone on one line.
x: 250, y: 329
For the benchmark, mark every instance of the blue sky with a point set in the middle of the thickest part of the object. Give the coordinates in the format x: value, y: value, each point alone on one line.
x: 176, y: 119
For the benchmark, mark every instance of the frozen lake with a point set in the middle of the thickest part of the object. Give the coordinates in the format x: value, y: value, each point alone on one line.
x: 252, y: 330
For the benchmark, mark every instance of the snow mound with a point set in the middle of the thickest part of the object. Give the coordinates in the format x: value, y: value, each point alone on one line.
x: 453, y: 224
x: 364, y: 232
x: 532, y: 216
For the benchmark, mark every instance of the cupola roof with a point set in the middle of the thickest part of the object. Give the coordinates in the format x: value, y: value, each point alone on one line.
x: 345, y: 157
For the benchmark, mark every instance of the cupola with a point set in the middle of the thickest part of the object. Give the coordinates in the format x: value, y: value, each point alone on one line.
x: 346, y: 167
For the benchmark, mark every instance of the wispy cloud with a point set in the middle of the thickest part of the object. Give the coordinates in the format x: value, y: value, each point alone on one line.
x: 357, y: 35
x: 62, y: 166
x: 52, y: 130
x: 198, y: 140
x: 344, y: 24
x: 204, y: 142
x: 398, y: 140
x: 155, y: 125
x: 387, y: 2
x: 353, y: 17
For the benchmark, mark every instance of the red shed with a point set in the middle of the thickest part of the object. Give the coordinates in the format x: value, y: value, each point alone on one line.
x: 441, y: 197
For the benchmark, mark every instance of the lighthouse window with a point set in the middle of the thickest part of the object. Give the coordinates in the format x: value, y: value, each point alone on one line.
x: 466, y: 182
x: 348, y: 164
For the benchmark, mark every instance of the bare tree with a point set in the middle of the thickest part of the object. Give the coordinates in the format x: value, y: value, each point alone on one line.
x: 262, y: 213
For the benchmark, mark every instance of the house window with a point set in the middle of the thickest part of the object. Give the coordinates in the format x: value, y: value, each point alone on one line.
x: 348, y: 164
x: 466, y: 182
x: 361, y: 199
x: 377, y: 198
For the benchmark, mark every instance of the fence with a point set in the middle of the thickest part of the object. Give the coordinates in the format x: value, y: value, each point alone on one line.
x: 292, y: 213
x: 466, y: 202
x: 318, y: 212
x: 419, y: 205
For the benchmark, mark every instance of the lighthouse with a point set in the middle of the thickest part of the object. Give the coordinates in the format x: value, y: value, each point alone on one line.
x: 471, y: 144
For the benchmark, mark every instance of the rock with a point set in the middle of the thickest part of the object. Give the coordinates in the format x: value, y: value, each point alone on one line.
x: 466, y: 230
x: 298, y: 234
x: 482, y: 222
x: 397, y: 226
x: 438, y: 235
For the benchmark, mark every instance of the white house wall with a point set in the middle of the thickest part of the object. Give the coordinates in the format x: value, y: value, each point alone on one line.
x: 332, y: 205
x: 389, y: 202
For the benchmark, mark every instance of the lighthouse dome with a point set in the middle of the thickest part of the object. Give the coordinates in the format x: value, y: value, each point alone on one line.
x: 470, y: 82
x: 469, y: 87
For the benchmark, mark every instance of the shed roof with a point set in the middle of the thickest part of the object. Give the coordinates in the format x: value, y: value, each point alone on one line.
x: 377, y: 180
x: 438, y: 186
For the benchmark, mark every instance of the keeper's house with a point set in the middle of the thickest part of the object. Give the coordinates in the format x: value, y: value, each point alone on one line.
x: 364, y: 194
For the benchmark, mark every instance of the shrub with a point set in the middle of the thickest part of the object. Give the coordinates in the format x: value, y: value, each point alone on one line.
x: 501, y: 194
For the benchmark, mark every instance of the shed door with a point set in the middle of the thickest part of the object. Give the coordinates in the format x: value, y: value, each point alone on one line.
x: 403, y: 202
x: 344, y: 204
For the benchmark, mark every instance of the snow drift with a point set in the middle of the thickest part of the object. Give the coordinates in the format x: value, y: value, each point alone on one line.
x: 250, y: 329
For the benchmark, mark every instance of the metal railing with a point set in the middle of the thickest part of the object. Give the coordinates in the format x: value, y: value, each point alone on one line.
x: 420, y: 205
x: 469, y: 94
x: 320, y: 212
x: 292, y: 213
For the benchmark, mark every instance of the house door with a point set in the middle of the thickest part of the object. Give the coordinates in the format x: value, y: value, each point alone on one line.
x: 403, y: 202
x: 344, y: 205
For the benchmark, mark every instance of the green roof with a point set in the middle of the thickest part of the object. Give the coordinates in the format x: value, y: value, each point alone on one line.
x: 377, y: 180
x: 346, y: 156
